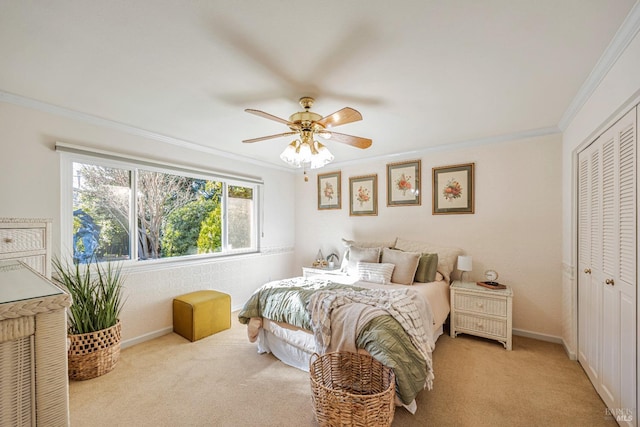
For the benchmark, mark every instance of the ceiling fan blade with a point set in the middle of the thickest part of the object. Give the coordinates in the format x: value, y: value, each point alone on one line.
x: 262, y: 138
x: 340, y: 117
x: 355, y: 141
x: 271, y: 117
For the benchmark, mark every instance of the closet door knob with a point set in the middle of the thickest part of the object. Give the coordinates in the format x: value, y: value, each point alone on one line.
x: 587, y: 270
x: 609, y: 282
x: 8, y: 240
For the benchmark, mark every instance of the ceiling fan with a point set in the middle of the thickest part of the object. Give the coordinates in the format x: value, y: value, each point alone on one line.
x: 306, y: 151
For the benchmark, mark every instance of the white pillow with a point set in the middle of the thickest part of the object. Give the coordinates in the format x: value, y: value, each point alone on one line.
x: 375, y: 272
x: 406, y: 265
x: 361, y: 254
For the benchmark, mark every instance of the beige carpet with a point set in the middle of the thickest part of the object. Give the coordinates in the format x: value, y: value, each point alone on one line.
x: 222, y: 381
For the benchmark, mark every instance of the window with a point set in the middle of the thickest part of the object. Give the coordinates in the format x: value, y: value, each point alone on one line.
x: 122, y: 210
x: 101, y: 212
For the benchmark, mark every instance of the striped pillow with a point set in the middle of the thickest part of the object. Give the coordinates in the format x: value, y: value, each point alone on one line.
x: 375, y: 272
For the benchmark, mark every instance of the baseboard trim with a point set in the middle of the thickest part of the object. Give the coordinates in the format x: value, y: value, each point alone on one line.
x: 519, y: 332
x: 164, y: 331
x: 538, y: 336
x: 549, y: 338
x: 146, y: 337
x: 570, y: 354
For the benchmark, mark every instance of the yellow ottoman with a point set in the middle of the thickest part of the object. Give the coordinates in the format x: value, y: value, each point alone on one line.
x: 202, y: 313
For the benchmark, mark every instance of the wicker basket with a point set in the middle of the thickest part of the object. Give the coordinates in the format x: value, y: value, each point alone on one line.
x: 351, y: 389
x: 93, y: 354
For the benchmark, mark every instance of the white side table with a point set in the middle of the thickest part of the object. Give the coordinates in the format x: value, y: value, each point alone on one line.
x: 317, y: 271
x: 483, y: 312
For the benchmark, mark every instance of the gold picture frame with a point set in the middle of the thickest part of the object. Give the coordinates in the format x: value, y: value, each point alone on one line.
x: 403, y: 183
x: 454, y: 189
x: 329, y: 191
x: 363, y: 195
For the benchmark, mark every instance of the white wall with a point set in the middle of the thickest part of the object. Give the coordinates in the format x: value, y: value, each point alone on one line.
x: 516, y: 229
x: 30, y: 177
x: 618, y: 91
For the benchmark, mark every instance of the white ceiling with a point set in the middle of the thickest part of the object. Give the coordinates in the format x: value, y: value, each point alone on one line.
x: 423, y: 73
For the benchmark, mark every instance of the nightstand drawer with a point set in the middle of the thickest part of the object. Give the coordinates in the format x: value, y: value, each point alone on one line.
x: 481, y: 324
x: 478, y: 304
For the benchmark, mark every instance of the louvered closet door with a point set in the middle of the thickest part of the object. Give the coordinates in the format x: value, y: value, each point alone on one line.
x: 607, y: 242
x: 590, y: 261
x: 619, y: 374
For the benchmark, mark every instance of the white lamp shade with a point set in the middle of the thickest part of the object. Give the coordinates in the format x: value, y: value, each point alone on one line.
x: 464, y: 263
x: 322, y: 157
x: 304, y: 153
x: 289, y: 154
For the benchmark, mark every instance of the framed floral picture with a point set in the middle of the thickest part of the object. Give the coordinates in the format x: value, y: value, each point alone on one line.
x: 403, y: 183
x: 453, y: 189
x: 329, y: 192
x: 363, y: 195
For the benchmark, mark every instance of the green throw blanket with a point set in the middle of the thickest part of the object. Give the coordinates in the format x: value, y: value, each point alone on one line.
x: 383, y: 337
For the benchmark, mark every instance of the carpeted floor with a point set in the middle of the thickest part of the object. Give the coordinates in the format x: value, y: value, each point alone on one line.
x: 222, y: 381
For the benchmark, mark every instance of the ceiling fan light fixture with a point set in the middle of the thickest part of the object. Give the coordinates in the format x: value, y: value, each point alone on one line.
x: 290, y: 154
x: 322, y: 158
x: 314, y: 155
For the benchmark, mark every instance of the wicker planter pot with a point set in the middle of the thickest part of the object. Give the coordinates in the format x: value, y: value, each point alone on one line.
x: 94, y: 354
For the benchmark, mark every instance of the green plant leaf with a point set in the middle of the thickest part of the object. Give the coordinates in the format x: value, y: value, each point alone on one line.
x: 96, y: 290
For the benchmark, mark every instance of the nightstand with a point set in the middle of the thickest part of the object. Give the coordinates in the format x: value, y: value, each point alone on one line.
x: 316, y: 271
x: 482, y: 312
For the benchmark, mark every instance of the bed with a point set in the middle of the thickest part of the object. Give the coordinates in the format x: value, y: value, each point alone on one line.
x: 391, y: 301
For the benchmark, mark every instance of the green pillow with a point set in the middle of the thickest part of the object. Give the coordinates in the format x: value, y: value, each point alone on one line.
x: 427, y: 267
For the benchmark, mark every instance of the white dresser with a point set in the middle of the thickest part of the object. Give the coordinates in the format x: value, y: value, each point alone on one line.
x: 27, y: 240
x: 33, y: 328
x: 483, y: 312
x: 33, y: 349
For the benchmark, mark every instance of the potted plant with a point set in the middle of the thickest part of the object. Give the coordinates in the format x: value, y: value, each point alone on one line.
x: 94, y: 331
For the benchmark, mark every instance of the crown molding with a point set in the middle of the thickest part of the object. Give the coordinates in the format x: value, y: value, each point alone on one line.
x: 122, y: 127
x: 516, y: 136
x: 625, y: 34
x: 111, y: 124
x: 132, y: 130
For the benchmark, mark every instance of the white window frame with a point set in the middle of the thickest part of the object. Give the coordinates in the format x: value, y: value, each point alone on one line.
x: 70, y: 154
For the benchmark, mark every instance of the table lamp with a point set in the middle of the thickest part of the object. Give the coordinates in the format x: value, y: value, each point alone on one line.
x: 464, y: 264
